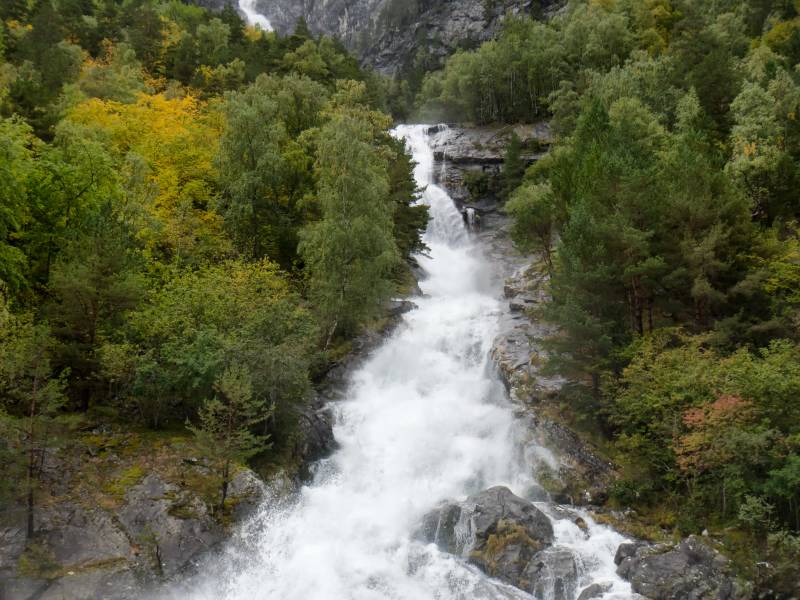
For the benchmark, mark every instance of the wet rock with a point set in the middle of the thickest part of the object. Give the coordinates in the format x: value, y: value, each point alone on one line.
x: 689, y: 571
x: 248, y: 491
x: 400, y: 307
x: 440, y: 527
x: 462, y: 153
x: 315, y: 439
x: 171, y: 527
x: 500, y: 533
x: 518, y: 352
x: 596, y: 590
x: 554, y: 574
x: 627, y: 550
x: 536, y: 493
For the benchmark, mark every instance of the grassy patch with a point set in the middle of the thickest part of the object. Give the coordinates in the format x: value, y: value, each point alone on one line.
x: 507, y: 534
x: 129, y: 478
x: 38, y: 562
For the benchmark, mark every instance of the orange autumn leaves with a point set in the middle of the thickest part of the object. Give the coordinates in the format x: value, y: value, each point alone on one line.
x: 709, y: 443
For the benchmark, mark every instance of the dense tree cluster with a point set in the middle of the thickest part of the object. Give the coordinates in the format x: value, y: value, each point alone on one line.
x: 192, y: 212
x: 667, y: 217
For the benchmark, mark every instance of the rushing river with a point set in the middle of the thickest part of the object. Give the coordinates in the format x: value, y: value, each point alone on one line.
x: 425, y: 420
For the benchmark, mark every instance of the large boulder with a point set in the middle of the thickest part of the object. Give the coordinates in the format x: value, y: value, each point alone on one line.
x: 690, y: 570
x: 504, y: 535
x: 594, y: 591
x: 314, y: 439
x: 554, y: 574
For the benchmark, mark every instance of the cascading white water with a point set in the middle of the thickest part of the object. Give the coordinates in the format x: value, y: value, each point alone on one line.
x: 253, y: 17
x: 425, y: 420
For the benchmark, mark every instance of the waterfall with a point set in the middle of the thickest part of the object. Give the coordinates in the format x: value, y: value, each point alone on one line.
x: 424, y: 420
x: 252, y: 16
x: 472, y: 218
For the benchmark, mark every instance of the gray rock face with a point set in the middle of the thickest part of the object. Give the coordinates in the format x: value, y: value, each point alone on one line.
x: 80, y: 536
x: 173, y: 528
x: 315, y: 438
x: 388, y: 34
x: 461, y: 151
x: 505, y: 536
x: 689, y: 571
x: 555, y: 575
x: 82, y: 551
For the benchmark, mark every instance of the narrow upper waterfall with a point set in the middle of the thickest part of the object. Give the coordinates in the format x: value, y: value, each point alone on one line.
x: 253, y: 17
x: 425, y: 420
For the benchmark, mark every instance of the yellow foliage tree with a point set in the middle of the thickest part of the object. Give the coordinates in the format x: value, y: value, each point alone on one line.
x: 177, y: 139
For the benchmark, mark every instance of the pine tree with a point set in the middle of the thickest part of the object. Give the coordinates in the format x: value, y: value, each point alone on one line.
x: 533, y: 208
x: 225, y: 431
x: 31, y: 397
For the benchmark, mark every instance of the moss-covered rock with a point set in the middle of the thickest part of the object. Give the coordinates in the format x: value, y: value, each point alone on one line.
x: 495, y: 530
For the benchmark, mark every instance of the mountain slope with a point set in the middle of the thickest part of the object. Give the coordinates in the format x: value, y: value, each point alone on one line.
x: 398, y: 35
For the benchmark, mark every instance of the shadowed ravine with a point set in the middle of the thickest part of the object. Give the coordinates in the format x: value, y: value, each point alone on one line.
x: 425, y: 420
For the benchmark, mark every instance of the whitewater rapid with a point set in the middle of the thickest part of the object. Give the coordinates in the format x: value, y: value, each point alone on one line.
x: 425, y: 420
x: 253, y: 17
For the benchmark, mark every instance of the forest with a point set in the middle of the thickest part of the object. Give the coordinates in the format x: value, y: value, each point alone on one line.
x: 666, y: 215
x: 196, y: 218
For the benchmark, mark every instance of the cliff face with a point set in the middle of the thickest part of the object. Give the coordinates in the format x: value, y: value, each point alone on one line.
x: 394, y: 35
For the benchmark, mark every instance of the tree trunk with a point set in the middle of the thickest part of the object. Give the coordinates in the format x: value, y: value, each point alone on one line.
x: 331, y: 333
x: 225, y: 482
x: 32, y: 459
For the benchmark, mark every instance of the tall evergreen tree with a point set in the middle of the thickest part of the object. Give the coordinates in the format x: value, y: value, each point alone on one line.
x: 226, y: 424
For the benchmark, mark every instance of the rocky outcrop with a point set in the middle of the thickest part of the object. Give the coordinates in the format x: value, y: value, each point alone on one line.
x: 577, y: 473
x: 83, y: 550
x: 314, y: 436
x: 690, y: 570
x: 390, y: 34
x: 506, y: 537
x: 518, y: 351
x: 465, y: 153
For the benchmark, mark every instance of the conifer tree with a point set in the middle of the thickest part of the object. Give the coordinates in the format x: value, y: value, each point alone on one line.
x: 226, y: 423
